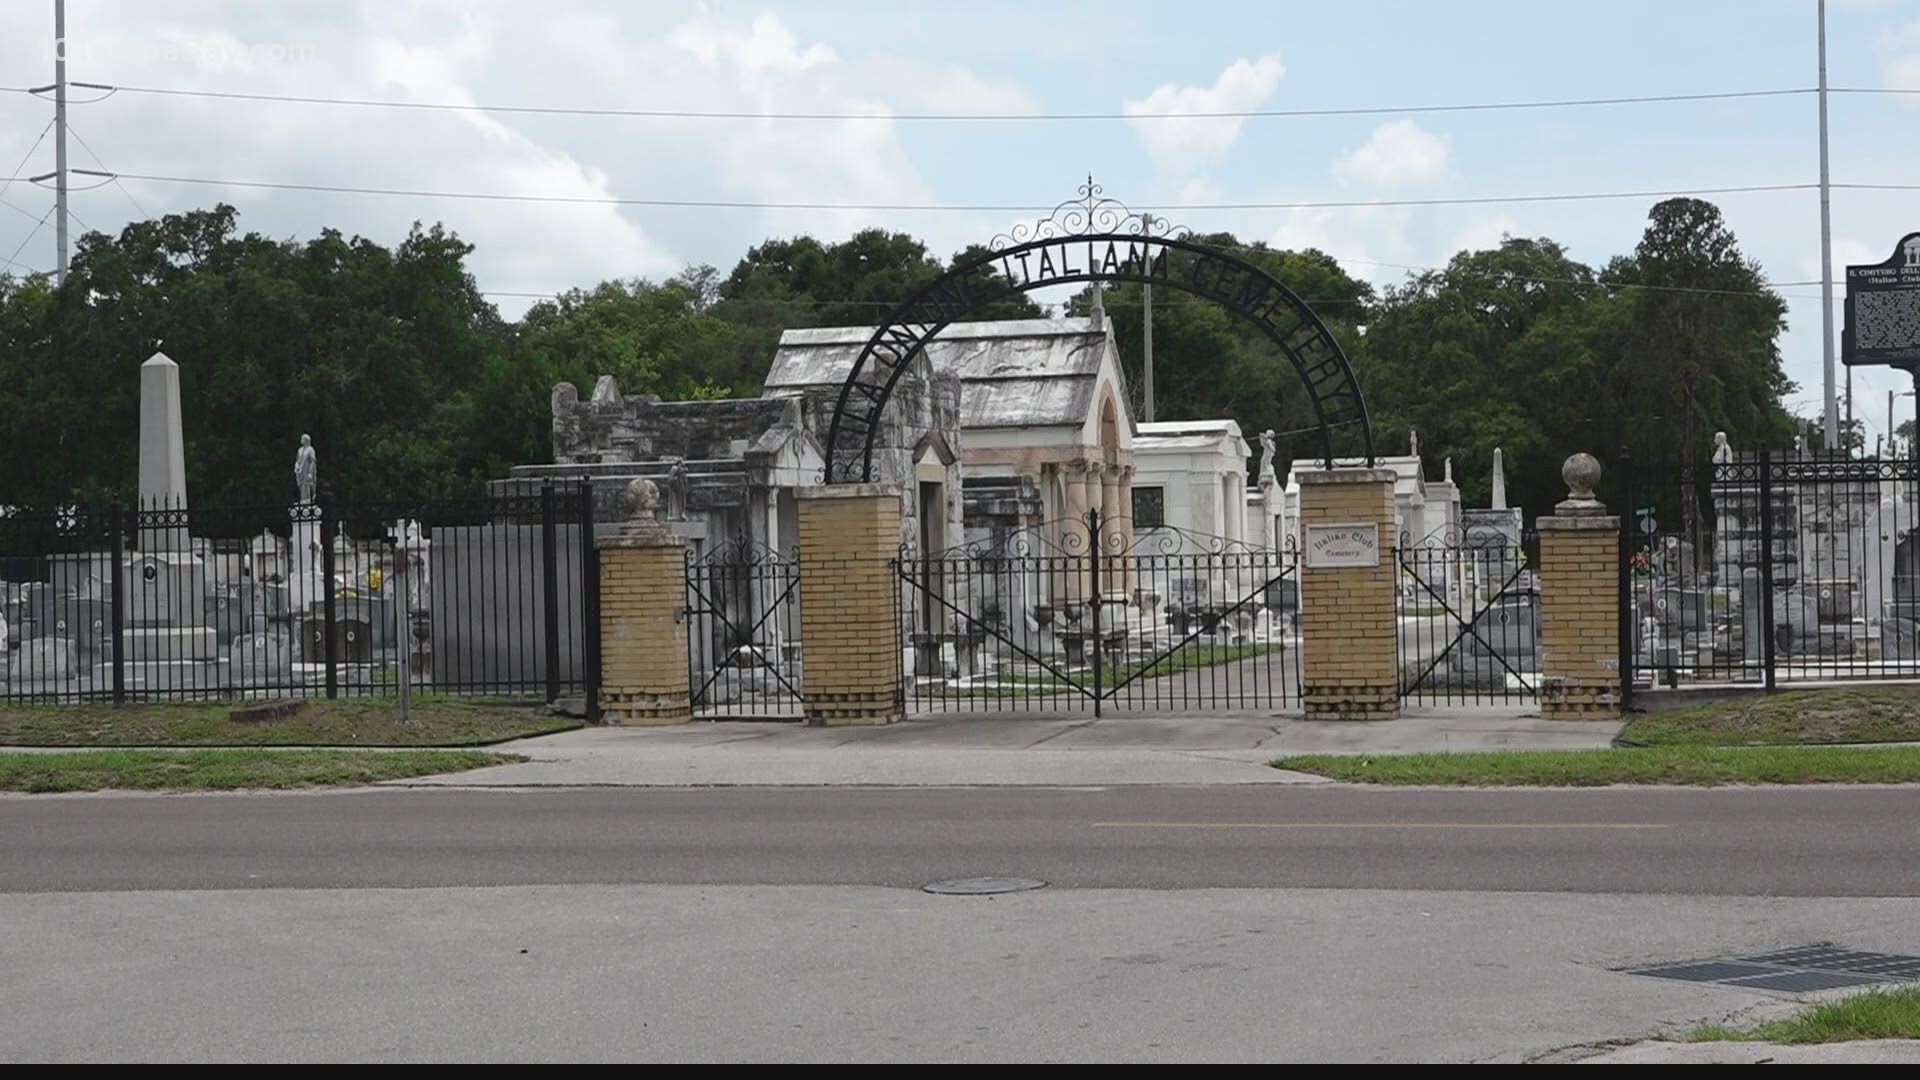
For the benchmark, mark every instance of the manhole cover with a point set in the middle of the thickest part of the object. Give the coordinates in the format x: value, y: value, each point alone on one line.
x: 983, y: 886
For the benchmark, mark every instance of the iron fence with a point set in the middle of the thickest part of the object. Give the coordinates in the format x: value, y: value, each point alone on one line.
x: 1089, y: 615
x: 1771, y: 568
x: 491, y: 596
x: 1469, y: 616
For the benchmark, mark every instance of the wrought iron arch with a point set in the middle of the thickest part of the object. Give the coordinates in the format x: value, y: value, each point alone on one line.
x: 1109, y: 243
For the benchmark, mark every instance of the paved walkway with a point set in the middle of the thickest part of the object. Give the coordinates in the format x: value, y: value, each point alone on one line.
x: 961, y: 749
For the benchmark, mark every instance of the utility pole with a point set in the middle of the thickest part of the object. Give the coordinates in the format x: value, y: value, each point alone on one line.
x: 1146, y: 296
x: 59, y: 173
x: 60, y: 139
x: 1826, y: 255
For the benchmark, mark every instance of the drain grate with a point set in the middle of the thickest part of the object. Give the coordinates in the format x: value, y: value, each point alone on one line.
x: 983, y: 886
x: 1798, y: 971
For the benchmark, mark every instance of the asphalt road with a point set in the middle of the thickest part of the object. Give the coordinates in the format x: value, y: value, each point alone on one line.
x: 1756, y: 842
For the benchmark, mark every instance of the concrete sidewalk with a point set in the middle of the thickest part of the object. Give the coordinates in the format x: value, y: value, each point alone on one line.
x: 988, y: 749
x: 1866, y: 1052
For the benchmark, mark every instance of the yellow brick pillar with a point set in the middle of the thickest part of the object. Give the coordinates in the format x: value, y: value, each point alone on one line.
x: 1580, y: 602
x: 849, y: 641
x: 1349, y: 617
x: 643, y: 637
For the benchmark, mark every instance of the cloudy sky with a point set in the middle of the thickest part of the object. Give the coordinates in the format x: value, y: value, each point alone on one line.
x: 893, y: 79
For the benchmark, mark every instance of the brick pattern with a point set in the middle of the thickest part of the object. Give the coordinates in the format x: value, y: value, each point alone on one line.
x: 1580, y: 619
x: 847, y: 614
x: 643, y: 649
x: 1349, y: 627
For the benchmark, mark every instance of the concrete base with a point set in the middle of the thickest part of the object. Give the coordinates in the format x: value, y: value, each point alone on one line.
x: 163, y: 675
x: 171, y: 643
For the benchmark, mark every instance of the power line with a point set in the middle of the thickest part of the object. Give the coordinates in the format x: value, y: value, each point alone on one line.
x: 141, y: 210
x: 750, y: 204
x: 28, y: 156
x: 997, y: 117
x: 29, y: 237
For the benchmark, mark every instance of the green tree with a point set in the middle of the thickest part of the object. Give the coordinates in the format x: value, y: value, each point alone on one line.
x: 370, y: 350
x: 1702, y: 348
x: 1507, y: 347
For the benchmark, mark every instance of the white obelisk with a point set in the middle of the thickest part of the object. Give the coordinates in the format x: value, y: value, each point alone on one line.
x: 163, y: 456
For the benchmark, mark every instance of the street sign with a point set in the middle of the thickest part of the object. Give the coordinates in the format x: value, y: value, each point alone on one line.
x: 1649, y: 526
x: 1883, y: 310
x: 1645, y: 511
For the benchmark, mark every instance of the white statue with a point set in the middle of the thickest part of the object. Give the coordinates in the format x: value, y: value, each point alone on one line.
x: 1722, y: 451
x: 1446, y: 469
x: 1269, y: 475
x: 306, y: 469
x: 1799, y: 446
x: 1413, y: 443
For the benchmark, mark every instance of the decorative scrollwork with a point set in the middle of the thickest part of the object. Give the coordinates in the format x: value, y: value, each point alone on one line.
x: 1168, y: 540
x: 1748, y: 472
x: 1063, y: 539
x: 744, y: 551
x: 1091, y: 213
x: 1453, y: 536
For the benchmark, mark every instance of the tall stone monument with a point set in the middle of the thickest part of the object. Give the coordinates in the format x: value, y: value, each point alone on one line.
x: 306, y: 584
x: 168, y: 644
x: 163, y: 455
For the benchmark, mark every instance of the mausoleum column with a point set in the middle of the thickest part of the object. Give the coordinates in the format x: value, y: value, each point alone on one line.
x: 1073, y: 526
x: 1128, y: 567
x: 1110, y: 526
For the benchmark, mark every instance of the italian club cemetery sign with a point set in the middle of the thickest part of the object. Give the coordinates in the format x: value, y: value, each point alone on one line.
x: 1883, y: 310
x: 1330, y: 547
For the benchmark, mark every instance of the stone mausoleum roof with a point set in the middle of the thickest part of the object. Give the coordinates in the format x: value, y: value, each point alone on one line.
x: 1013, y: 373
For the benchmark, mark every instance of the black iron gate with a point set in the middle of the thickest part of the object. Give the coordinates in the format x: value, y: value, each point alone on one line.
x: 1088, y: 613
x: 743, y: 632
x: 1469, y: 617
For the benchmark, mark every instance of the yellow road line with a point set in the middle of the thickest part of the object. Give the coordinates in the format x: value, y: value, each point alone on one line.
x: 1371, y: 825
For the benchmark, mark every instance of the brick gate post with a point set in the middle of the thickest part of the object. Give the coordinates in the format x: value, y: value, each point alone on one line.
x: 643, y: 633
x: 849, y: 643
x: 1349, y: 615
x: 1580, y: 602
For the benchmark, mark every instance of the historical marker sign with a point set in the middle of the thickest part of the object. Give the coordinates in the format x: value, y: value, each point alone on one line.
x: 1333, y: 546
x: 1883, y: 310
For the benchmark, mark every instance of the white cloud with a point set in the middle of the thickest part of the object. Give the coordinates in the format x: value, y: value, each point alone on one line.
x: 467, y: 51
x: 1483, y: 233
x: 1185, y: 146
x: 1900, y: 49
x: 1399, y: 154
x: 767, y: 45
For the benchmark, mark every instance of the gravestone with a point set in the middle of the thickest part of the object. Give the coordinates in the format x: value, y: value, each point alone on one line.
x: 43, y: 663
x: 260, y: 660
x: 1753, y: 615
x: 1681, y: 610
x: 1509, y: 627
x: 352, y: 641
x: 88, y: 623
